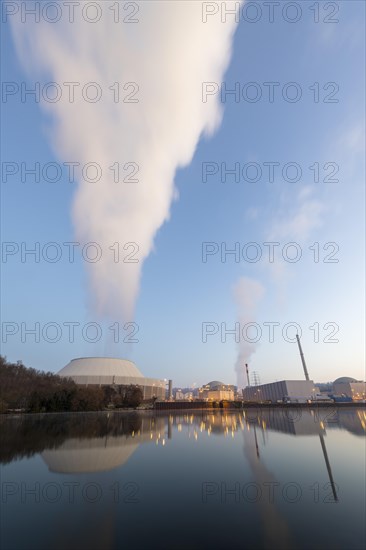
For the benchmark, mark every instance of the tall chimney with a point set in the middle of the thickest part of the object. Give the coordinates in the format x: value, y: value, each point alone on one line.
x: 246, y: 368
x: 302, y: 358
x: 170, y: 390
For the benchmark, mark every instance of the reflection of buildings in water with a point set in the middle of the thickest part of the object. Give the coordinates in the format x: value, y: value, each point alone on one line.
x: 117, y: 434
x: 292, y: 421
x: 350, y: 420
x: 89, y: 455
x: 289, y: 421
x: 212, y: 423
x: 329, y: 469
x: 303, y: 422
x: 308, y: 422
x: 79, y: 455
x: 297, y: 422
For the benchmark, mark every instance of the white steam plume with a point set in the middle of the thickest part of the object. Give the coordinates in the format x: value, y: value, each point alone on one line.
x: 247, y: 295
x: 168, y: 54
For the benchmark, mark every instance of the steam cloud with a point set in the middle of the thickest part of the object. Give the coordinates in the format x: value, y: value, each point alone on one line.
x: 168, y: 54
x: 247, y: 295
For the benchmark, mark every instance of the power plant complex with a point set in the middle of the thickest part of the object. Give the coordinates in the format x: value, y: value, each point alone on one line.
x: 284, y: 391
x: 115, y: 372
x: 304, y: 391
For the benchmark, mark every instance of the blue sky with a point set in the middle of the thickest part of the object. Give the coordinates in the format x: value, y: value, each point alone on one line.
x: 179, y: 292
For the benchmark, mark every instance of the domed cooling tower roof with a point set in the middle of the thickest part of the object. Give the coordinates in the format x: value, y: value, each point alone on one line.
x: 97, y: 366
x: 344, y: 380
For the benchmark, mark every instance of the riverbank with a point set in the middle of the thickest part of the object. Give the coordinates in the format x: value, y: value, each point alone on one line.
x: 238, y: 405
x: 178, y: 406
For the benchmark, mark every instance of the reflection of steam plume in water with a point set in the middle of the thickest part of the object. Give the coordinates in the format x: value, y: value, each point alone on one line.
x: 276, y: 530
x: 247, y: 294
x: 169, y: 53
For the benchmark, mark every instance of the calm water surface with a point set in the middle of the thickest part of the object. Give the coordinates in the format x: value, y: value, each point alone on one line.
x: 254, y: 479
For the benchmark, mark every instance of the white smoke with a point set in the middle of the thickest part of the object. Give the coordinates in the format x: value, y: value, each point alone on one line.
x: 247, y: 295
x: 168, y: 54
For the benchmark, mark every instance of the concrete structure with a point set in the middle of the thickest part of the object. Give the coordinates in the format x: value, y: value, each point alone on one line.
x: 217, y: 385
x: 110, y: 371
x: 219, y: 395
x: 356, y: 389
x: 170, y: 390
x: 217, y: 391
x: 278, y: 391
x: 302, y: 358
x: 188, y: 396
x: 179, y: 395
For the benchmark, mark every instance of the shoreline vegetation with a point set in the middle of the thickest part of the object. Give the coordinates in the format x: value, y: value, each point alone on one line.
x: 28, y: 390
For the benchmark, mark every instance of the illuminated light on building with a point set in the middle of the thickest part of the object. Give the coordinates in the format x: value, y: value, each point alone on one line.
x: 217, y: 391
x: 350, y: 387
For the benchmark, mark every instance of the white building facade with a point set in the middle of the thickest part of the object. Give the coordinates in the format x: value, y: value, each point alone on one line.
x: 278, y: 391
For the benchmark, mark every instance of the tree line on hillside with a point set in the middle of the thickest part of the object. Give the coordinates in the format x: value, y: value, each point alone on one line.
x: 31, y: 390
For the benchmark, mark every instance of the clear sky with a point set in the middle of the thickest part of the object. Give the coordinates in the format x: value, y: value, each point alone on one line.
x: 179, y: 292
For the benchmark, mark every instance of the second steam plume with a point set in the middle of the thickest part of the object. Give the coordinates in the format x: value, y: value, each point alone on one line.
x: 247, y: 295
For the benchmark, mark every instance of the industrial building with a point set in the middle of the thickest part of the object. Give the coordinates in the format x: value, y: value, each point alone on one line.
x: 179, y: 395
x: 220, y: 395
x: 217, y: 391
x: 110, y: 371
x: 349, y: 387
x: 183, y: 396
x: 291, y: 390
x: 286, y: 391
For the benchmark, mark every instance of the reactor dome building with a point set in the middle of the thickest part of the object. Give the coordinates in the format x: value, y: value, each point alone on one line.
x: 350, y: 387
x: 111, y: 371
